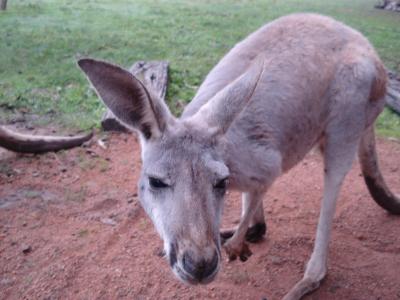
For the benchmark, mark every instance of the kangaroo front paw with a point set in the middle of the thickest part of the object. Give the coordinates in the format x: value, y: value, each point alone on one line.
x: 242, y: 251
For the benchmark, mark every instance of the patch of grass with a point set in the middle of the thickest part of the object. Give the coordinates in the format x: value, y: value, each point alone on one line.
x: 78, y: 196
x: 83, y: 233
x: 86, y: 162
x: 31, y: 194
x: 6, y: 169
x: 41, y: 41
x: 389, y: 124
x: 103, y: 164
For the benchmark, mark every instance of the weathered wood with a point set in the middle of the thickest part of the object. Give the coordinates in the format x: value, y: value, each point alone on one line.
x: 3, y: 4
x: 389, y: 5
x: 154, y: 75
x: 26, y: 143
x: 393, y: 93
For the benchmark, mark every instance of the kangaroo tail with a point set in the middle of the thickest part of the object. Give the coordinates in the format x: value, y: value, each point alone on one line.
x: 372, y: 175
x: 25, y: 143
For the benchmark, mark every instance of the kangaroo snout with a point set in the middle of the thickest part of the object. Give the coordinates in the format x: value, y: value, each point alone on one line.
x: 200, y: 269
x: 195, y: 267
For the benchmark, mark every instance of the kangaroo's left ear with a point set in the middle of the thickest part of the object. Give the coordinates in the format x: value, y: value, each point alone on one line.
x: 219, y: 112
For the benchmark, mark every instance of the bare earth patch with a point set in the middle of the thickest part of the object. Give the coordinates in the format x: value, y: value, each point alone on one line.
x: 71, y: 227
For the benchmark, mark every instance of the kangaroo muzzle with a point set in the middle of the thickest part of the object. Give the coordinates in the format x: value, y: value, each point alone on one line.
x: 195, y: 266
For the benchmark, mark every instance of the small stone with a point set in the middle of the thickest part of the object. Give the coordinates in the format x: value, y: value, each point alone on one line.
x: 91, y: 153
x: 276, y: 260
x: 26, y: 249
x: 6, y: 281
x: 101, y: 143
x: 108, y: 221
x: 361, y: 237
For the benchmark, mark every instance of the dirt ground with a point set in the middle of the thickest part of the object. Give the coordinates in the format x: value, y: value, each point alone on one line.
x: 71, y: 227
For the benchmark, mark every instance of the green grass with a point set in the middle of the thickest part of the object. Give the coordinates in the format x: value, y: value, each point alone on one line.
x: 41, y: 40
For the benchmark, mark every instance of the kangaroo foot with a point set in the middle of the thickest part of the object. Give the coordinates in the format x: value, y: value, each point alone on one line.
x: 303, y: 287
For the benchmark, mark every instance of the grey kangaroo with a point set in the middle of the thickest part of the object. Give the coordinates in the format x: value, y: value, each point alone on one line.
x: 301, y: 81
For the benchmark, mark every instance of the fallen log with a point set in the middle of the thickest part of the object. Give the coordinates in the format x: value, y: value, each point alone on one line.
x: 393, y: 5
x: 3, y: 4
x: 154, y: 75
x: 26, y: 143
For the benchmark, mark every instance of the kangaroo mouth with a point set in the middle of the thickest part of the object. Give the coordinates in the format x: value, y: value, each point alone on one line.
x: 189, y: 279
x: 192, y: 269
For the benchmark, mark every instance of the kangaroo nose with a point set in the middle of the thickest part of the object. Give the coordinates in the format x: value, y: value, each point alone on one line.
x: 200, y: 269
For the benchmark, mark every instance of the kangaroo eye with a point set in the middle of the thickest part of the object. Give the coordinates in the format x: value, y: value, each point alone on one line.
x: 156, y: 183
x: 221, y: 184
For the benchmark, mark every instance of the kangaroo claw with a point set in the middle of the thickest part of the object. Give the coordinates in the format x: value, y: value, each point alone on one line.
x: 242, y: 251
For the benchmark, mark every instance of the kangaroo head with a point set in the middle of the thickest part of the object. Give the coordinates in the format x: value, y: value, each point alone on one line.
x: 184, y: 177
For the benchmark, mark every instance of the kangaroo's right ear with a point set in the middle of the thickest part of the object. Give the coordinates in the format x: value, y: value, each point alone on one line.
x: 221, y: 110
x: 127, y: 98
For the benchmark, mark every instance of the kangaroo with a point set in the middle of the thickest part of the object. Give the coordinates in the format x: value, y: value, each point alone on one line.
x: 301, y: 81
x: 26, y: 143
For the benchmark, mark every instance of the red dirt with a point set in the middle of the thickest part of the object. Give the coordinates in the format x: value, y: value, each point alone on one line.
x: 76, y: 216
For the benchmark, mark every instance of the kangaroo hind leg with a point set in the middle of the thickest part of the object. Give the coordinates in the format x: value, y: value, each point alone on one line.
x: 341, y: 139
x: 338, y: 158
x: 257, y: 226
